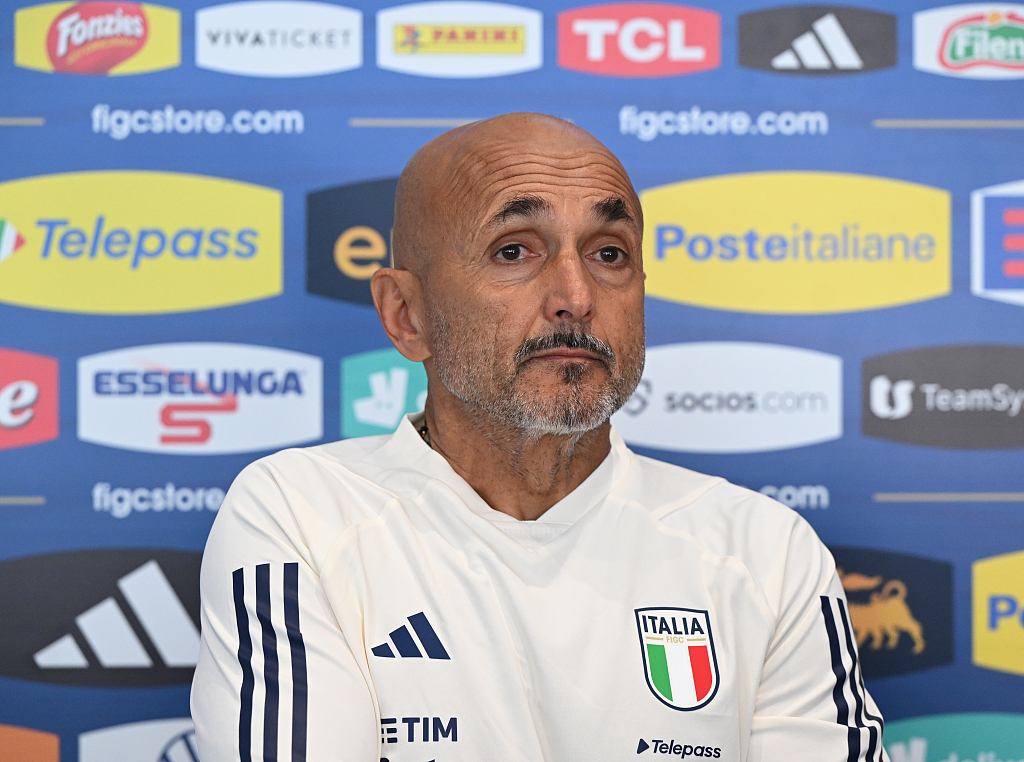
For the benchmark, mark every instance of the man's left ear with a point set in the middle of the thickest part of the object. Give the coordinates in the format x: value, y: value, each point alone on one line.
x: 397, y: 295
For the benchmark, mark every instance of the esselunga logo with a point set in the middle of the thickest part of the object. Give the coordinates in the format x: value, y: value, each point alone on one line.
x: 976, y: 41
x: 796, y: 243
x: 200, y: 398
x: 459, y: 39
x: 110, y: 243
x: 97, y: 37
x: 968, y: 737
x: 377, y: 389
x: 998, y: 603
x: 732, y: 397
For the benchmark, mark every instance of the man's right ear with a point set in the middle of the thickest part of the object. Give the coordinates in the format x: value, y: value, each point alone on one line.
x: 398, y: 297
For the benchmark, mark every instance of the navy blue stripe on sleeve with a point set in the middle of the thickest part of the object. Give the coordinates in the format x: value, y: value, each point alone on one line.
x: 856, y: 685
x: 839, y: 670
x: 298, y: 649
x: 270, y: 663
x: 245, y: 660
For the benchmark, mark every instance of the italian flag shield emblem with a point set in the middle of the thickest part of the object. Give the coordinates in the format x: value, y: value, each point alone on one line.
x: 679, y: 656
x: 10, y: 239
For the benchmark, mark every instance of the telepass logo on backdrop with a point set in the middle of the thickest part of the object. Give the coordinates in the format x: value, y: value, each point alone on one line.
x: 109, y: 243
x: 639, y: 39
x: 97, y: 37
x: 796, y: 243
x: 997, y: 243
x: 975, y: 41
x: 28, y: 398
x: 200, y: 399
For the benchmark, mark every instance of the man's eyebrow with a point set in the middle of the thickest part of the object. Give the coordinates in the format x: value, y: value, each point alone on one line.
x: 612, y: 209
x: 519, y: 206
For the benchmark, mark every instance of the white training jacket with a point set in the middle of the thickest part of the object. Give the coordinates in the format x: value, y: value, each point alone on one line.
x: 361, y: 602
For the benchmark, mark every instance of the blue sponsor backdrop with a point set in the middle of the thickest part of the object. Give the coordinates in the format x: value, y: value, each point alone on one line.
x: 945, y: 504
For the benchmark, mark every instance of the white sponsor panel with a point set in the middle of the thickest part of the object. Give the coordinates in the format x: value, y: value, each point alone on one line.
x: 200, y: 398
x: 459, y: 40
x: 171, y: 740
x: 988, y: 247
x: 973, y: 40
x: 279, y: 38
x: 732, y: 397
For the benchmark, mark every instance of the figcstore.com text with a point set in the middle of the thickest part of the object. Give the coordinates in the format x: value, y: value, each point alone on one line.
x: 647, y: 125
x: 120, y: 123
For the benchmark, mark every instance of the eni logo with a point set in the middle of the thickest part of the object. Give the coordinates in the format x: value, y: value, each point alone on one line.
x: 796, y: 243
x: 885, y: 617
x: 109, y: 243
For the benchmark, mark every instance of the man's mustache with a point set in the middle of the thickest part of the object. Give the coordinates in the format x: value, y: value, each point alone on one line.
x: 565, y: 339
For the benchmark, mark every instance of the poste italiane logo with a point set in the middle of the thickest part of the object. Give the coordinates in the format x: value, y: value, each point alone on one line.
x: 97, y: 37
x: 796, y: 242
x: 109, y: 243
x: 976, y: 41
x: 998, y: 595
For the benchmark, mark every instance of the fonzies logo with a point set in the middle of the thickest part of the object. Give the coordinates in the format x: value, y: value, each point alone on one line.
x: 28, y: 398
x: 117, y: 618
x: 97, y: 37
x: 639, y: 39
x: 968, y: 396
x: 109, y: 243
x: 796, y: 242
x: 347, y: 234
x: 200, y: 399
x: 901, y: 607
x: 728, y: 397
x: 977, y: 41
x: 459, y: 39
x: 679, y: 657
x: 999, y: 613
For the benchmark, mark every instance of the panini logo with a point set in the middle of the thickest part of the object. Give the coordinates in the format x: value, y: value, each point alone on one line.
x: 109, y: 243
x: 28, y: 399
x: 969, y: 396
x: 200, y: 399
x: 172, y: 740
x: 976, y: 41
x: 998, y: 594
x: 997, y: 243
x: 459, y: 39
x: 730, y: 397
x: 796, y: 243
x: 97, y: 37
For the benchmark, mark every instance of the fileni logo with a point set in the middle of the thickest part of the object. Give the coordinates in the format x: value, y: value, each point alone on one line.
x: 796, y: 242
x: 639, y: 39
x: 997, y: 243
x: 348, y: 229
x: 116, y: 618
x: 28, y: 398
x: 998, y: 592
x: 969, y: 396
x: 459, y: 39
x: 267, y: 38
x: 97, y: 37
x: 169, y: 740
x: 728, y: 397
x: 976, y: 41
x: 200, y: 399
x: 901, y: 607
x: 817, y: 39
x: 109, y: 243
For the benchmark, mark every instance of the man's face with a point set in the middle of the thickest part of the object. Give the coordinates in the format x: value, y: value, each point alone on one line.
x: 536, y: 305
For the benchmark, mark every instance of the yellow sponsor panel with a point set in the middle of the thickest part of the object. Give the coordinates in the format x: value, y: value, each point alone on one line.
x: 158, y: 48
x: 796, y: 243
x: 132, y: 243
x: 449, y: 39
x: 998, y: 603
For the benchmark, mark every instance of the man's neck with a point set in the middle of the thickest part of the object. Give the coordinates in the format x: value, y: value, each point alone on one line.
x: 515, y: 473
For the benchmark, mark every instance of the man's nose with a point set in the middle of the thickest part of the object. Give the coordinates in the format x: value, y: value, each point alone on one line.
x: 569, y: 288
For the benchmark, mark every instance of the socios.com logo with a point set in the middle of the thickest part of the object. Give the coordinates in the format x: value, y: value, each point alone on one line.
x: 110, y: 243
x: 968, y: 737
x: 796, y: 242
x: 377, y: 389
x: 97, y: 37
x: 998, y: 593
x: 730, y: 397
x: 200, y: 399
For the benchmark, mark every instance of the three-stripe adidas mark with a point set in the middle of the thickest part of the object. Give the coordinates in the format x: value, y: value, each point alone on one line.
x: 825, y: 46
x: 850, y: 685
x: 405, y: 644
x: 113, y: 640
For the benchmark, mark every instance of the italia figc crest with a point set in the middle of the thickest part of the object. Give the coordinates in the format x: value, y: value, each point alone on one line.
x: 679, y: 656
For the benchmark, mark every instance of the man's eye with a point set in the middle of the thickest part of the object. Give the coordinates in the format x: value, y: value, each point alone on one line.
x: 611, y: 255
x: 511, y: 252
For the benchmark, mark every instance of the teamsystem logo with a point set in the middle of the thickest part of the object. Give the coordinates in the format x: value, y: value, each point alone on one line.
x: 120, y: 123
x: 997, y: 243
x: 108, y: 243
x: 171, y: 740
x: 817, y: 39
x: 459, y: 40
x: 97, y: 37
x: 639, y: 39
x: 200, y: 399
x: 975, y: 41
x: 969, y: 396
x: 796, y: 243
x: 28, y: 398
x: 731, y: 397
x: 377, y: 389
x: 267, y: 38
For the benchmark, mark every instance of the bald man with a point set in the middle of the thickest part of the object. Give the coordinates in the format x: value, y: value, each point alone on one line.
x: 502, y: 578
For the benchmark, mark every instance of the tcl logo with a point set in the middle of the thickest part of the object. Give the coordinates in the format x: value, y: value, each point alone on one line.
x: 639, y: 39
x: 28, y: 398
